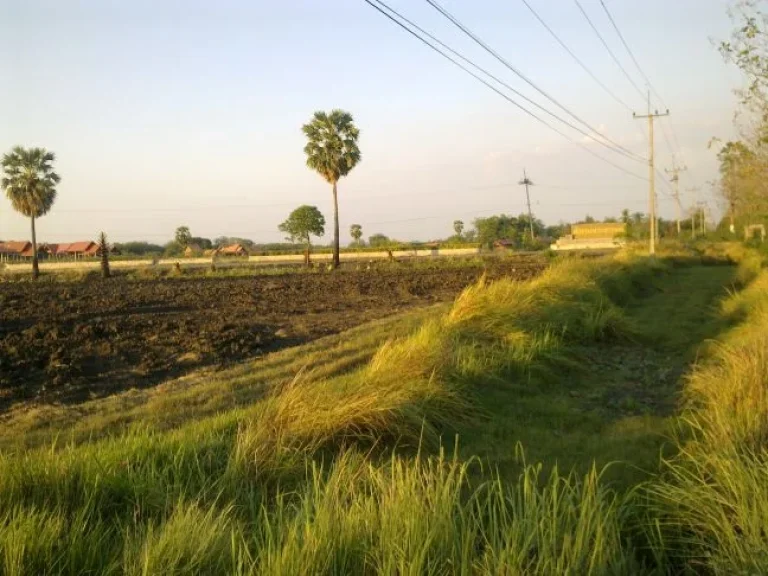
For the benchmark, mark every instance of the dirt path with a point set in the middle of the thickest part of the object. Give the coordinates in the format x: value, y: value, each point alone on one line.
x: 616, y: 407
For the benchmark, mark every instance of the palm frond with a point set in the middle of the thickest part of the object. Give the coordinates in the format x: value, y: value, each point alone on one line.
x: 332, y: 149
x: 29, y: 181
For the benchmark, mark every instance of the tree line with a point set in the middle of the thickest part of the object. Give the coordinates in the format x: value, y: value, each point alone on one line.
x: 743, y: 162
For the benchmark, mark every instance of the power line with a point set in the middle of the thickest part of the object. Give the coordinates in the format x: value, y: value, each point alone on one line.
x: 631, y: 55
x: 501, y: 82
x: 608, y: 48
x: 576, y: 58
x: 673, y: 149
x: 527, y: 80
x: 499, y: 92
x: 220, y: 206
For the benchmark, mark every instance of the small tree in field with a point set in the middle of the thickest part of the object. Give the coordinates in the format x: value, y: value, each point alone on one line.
x: 30, y: 184
x: 302, y: 223
x: 356, y: 231
x: 332, y: 152
x: 458, y: 228
x: 104, y: 253
x: 183, y: 236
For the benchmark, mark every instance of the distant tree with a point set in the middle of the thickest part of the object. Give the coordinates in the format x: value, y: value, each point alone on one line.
x: 203, y: 243
x: 589, y: 219
x: 379, y: 241
x: 504, y: 227
x: 356, y: 231
x: 173, y: 249
x: 183, y: 236
x: 610, y: 220
x: 557, y: 230
x: 302, y: 223
x: 332, y: 152
x: 104, y: 253
x: 139, y: 248
x: 30, y: 184
x: 625, y: 216
x: 458, y: 227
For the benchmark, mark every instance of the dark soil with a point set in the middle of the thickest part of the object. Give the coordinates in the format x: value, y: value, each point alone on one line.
x: 67, y: 342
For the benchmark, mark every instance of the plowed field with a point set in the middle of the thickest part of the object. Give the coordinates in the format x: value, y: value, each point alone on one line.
x: 66, y: 342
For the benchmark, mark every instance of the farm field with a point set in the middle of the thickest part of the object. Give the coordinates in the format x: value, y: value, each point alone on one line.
x: 71, y: 341
x: 568, y: 424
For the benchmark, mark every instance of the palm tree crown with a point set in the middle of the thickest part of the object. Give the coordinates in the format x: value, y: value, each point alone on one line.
x: 29, y: 181
x: 332, y: 144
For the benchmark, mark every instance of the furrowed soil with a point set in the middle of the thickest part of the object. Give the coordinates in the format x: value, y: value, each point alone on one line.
x: 68, y: 342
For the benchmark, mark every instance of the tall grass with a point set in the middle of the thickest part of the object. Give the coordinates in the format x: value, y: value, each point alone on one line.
x: 416, y: 387
x: 344, y: 474
x: 711, y: 502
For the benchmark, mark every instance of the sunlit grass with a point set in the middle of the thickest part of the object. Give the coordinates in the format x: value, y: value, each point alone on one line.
x: 309, y: 463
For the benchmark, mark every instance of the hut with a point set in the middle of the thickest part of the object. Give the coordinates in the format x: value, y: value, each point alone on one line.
x: 233, y: 250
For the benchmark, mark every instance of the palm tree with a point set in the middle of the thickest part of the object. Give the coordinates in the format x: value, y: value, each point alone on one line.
x: 356, y: 231
x: 104, y: 253
x: 332, y: 152
x: 30, y: 184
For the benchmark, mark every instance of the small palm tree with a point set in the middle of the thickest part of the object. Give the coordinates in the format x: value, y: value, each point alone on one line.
x: 356, y: 231
x: 30, y: 184
x: 104, y: 253
x: 332, y: 152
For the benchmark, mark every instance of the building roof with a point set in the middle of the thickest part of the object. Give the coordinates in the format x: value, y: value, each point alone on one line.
x: 232, y: 249
x: 15, y: 247
x: 81, y: 246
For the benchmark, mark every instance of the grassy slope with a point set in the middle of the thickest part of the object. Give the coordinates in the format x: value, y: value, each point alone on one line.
x: 204, y: 394
x: 203, y: 497
x: 615, y: 405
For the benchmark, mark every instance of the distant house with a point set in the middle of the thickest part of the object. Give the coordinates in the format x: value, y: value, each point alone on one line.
x: 233, y: 250
x: 15, y: 251
x: 593, y: 236
x: 505, y: 244
x: 75, y: 250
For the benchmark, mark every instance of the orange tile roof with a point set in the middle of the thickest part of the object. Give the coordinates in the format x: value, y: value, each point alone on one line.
x: 15, y: 247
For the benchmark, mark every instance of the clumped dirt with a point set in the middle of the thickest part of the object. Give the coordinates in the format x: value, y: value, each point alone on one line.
x: 67, y: 342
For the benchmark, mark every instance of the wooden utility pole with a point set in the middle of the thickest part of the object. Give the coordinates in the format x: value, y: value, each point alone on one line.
x: 676, y: 179
x: 651, y: 172
x: 527, y: 182
x: 694, y: 210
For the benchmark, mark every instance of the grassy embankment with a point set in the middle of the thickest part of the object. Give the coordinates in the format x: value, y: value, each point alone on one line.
x: 580, y: 365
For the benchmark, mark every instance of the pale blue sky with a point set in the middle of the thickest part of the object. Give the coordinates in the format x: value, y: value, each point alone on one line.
x: 168, y: 113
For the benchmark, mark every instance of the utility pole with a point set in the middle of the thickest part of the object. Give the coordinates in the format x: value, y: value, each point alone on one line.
x: 651, y: 172
x: 695, y: 192
x: 703, y: 207
x: 528, y: 182
x: 676, y: 179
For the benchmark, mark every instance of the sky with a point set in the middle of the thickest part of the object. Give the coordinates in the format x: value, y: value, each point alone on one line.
x: 169, y: 113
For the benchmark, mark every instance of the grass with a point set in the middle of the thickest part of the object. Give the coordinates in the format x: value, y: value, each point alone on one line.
x: 712, y: 497
x: 343, y: 469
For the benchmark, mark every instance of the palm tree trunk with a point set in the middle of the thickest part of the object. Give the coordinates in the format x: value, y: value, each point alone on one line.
x: 335, y: 227
x: 35, y: 268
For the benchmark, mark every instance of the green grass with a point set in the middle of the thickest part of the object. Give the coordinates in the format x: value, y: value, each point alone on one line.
x: 330, y: 458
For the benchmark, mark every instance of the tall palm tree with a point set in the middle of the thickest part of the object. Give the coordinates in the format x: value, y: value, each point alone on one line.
x: 332, y: 152
x: 30, y: 184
